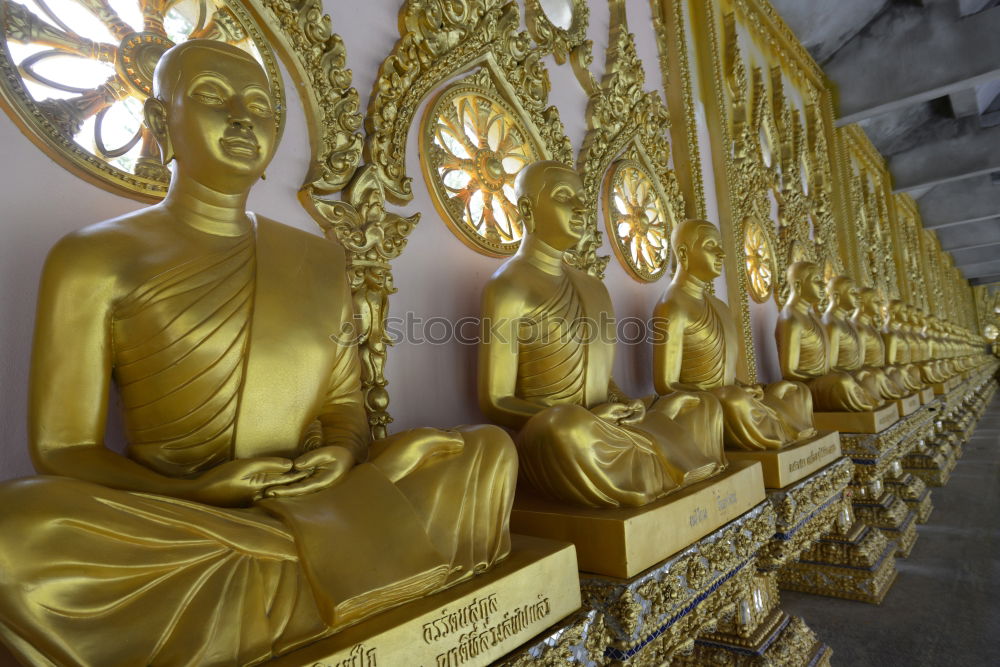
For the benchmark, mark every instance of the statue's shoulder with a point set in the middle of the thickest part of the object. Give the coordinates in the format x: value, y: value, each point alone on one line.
x: 274, y: 236
x: 102, y: 249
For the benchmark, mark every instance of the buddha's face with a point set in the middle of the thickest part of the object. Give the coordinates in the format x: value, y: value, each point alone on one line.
x: 557, y: 208
x: 848, y: 295
x: 870, y: 301
x: 704, y: 253
x: 810, y: 285
x: 220, y: 118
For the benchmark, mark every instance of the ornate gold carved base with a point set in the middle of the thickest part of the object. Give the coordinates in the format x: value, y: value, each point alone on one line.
x: 578, y: 639
x: 872, y: 421
x: 860, y: 565
x: 624, y: 542
x: 472, y: 623
x: 934, y: 466
x: 788, y: 642
x: 914, y: 493
x: 656, y: 614
x: 782, y: 467
x: 893, y: 517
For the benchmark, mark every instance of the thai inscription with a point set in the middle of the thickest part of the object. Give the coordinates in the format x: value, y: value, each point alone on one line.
x: 817, y: 455
x: 480, y: 627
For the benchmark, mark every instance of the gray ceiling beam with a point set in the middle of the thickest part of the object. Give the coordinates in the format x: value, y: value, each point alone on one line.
x: 912, y: 54
x: 972, y: 247
x: 973, y: 152
x: 980, y: 269
x: 985, y: 280
x: 959, y: 202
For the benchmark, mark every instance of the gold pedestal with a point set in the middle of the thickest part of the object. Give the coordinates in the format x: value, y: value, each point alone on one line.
x: 859, y: 564
x: 934, y: 465
x: 782, y: 467
x: 581, y: 635
x: 624, y: 542
x: 914, y: 492
x: 653, y: 616
x: 473, y: 623
x: 908, y: 405
x: 872, y: 421
x: 945, y: 387
x: 926, y: 395
x: 893, y: 517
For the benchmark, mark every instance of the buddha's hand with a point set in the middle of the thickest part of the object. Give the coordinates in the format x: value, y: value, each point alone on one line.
x: 403, y: 453
x: 321, y: 467
x: 755, y: 390
x: 238, y: 483
x: 629, y: 412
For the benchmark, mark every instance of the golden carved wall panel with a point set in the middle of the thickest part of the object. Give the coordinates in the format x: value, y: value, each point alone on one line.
x: 75, y: 73
x: 627, y: 125
x: 472, y: 145
x: 869, y: 189
x: 770, y: 114
x: 759, y: 260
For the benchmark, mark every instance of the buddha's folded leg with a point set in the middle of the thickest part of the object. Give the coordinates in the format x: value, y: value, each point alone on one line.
x: 838, y: 391
x: 793, y: 401
x: 465, y: 499
x: 885, y: 387
x: 690, y: 426
x: 871, y: 385
x: 749, y: 424
x: 570, y: 454
x: 96, y: 576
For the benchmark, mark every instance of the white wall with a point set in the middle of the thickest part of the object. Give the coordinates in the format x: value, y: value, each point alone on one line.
x: 437, y: 275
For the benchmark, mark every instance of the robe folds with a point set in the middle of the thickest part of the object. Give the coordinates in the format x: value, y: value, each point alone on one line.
x: 208, y: 358
x: 573, y: 455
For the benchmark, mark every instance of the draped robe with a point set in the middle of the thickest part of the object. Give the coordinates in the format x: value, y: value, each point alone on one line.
x: 850, y: 359
x: 831, y: 390
x: 762, y: 417
x: 570, y: 453
x: 208, y: 359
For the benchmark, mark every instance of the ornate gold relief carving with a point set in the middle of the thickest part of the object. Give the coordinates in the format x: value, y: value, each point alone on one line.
x: 439, y: 39
x: 77, y: 91
x: 772, y: 158
x: 557, y: 26
x: 472, y: 145
x: 624, y: 121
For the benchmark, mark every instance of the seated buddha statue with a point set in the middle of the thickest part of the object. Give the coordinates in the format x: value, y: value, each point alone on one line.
x: 545, y: 364
x: 931, y: 370
x: 846, y: 353
x: 251, y: 513
x: 867, y: 311
x: 699, y: 350
x: 803, y: 349
x: 897, y: 347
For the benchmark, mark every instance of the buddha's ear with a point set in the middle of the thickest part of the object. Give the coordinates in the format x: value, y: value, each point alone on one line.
x: 527, y: 218
x: 682, y: 255
x: 155, y: 114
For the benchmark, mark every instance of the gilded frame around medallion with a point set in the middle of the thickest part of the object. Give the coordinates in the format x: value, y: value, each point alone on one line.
x: 625, y: 122
x: 51, y: 124
x: 496, y: 233
x: 746, y: 105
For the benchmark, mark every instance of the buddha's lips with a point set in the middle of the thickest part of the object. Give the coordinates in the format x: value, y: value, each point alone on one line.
x: 240, y: 146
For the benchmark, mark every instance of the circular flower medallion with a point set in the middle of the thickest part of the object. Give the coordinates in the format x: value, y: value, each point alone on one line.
x: 759, y: 260
x: 74, y: 75
x: 637, y: 220
x: 473, y: 145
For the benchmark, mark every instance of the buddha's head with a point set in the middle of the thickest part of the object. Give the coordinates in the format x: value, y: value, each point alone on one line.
x: 211, y: 112
x: 805, y: 282
x: 698, y: 249
x: 896, y: 311
x: 843, y: 292
x: 870, y: 301
x: 550, y: 201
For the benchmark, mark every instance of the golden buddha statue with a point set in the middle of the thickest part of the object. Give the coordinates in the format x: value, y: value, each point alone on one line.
x: 931, y: 370
x: 867, y: 311
x: 803, y: 349
x: 699, y: 351
x: 846, y: 352
x: 897, y: 347
x: 244, y: 521
x: 545, y: 369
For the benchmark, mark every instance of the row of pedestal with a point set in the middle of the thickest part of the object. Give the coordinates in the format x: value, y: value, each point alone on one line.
x: 832, y: 521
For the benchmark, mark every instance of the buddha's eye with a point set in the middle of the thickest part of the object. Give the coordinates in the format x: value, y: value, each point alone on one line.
x: 207, y: 95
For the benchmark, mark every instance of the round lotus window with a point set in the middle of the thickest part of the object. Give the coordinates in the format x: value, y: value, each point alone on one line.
x: 74, y: 75
x: 759, y: 260
x: 637, y: 220
x: 473, y: 145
